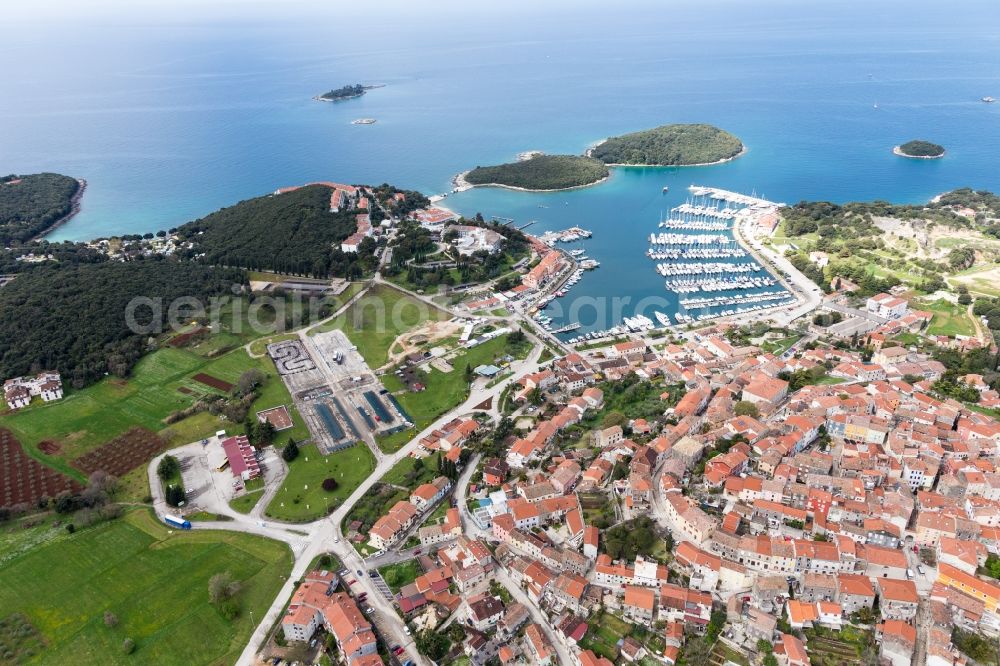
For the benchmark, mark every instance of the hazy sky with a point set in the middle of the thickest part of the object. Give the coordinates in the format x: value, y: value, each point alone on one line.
x: 200, y: 10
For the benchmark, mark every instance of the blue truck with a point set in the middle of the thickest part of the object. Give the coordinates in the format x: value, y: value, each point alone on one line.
x: 175, y: 521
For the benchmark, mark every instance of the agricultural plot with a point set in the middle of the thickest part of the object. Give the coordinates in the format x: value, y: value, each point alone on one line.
x: 122, y: 454
x: 25, y: 480
x: 154, y: 581
x: 61, y: 431
x: 834, y: 648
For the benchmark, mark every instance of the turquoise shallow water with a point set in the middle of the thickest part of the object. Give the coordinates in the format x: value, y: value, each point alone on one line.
x: 171, y: 118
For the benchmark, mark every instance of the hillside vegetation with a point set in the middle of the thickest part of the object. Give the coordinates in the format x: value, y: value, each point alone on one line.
x: 72, y: 318
x: 29, y: 205
x: 917, y: 148
x: 669, y: 145
x: 878, y: 244
x: 294, y: 232
x: 542, y: 172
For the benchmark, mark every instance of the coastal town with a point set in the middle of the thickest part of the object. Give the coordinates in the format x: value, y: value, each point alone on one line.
x: 799, y: 480
x: 650, y: 335
x: 743, y: 492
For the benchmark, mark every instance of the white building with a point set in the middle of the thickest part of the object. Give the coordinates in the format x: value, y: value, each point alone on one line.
x: 19, y: 391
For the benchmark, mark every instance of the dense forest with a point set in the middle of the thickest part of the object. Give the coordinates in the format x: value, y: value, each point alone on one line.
x: 72, y: 317
x: 669, y: 145
x: 345, y: 92
x: 917, y: 148
x: 29, y: 205
x: 294, y: 232
x: 542, y: 172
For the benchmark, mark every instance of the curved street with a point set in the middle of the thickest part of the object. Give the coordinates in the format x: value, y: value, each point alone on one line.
x: 308, y: 541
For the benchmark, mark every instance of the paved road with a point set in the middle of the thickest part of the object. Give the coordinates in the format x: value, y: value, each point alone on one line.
x: 325, y: 535
x: 471, y: 530
x: 808, y: 293
x: 536, y: 614
x: 308, y: 541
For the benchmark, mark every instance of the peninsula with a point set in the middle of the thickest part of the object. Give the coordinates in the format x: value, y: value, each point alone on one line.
x: 538, y: 173
x: 924, y: 150
x: 345, y: 92
x: 33, y: 205
x: 670, y: 145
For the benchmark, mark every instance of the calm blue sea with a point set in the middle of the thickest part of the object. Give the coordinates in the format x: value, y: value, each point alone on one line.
x: 174, y: 113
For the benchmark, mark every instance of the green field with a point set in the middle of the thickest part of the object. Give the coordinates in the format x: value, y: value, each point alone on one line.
x: 248, y: 500
x: 302, y: 498
x: 90, y: 417
x: 154, y: 581
x: 382, y: 315
x: 604, y: 633
x: 979, y: 279
x: 948, y: 319
x: 444, y: 390
x: 399, y: 575
x: 832, y: 648
x: 779, y: 347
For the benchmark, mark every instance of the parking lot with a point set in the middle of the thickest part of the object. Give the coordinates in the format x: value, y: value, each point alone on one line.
x: 340, y: 398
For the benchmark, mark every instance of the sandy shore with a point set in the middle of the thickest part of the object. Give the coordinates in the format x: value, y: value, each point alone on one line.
x: 896, y: 150
x: 461, y: 184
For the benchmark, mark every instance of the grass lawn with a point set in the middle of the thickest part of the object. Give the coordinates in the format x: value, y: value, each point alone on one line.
x: 948, y: 319
x: 604, y: 633
x: 779, y: 347
x: 382, y: 315
x: 444, y: 390
x: 259, y: 347
x: 246, y: 502
x: 399, y: 575
x: 90, y: 417
x: 155, y: 582
x: 979, y: 279
x: 302, y: 498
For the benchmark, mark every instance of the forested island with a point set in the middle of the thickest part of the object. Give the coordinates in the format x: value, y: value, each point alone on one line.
x: 920, y: 149
x: 31, y: 205
x: 669, y: 145
x: 345, y: 92
x: 541, y: 172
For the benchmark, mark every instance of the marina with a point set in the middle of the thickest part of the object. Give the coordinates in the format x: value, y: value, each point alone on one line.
x: 565, y: 236
x: 694, y: 262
